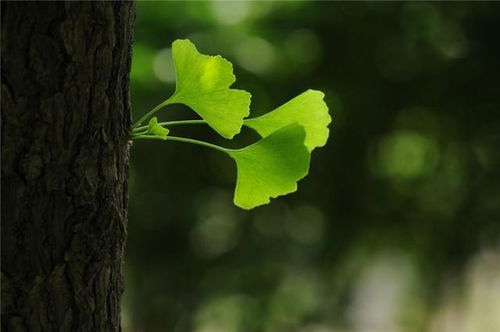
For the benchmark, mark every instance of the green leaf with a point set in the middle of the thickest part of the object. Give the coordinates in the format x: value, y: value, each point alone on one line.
x: 308, y: 109
x: 271, y: 167
x: 155, y: 129
x: 203, y: 84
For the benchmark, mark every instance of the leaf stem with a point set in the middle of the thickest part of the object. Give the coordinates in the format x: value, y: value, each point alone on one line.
x: 172, y: 123
x: 185, y: 140
x: 147, y: 137
x: 140, y: 132
x: 153, y: 111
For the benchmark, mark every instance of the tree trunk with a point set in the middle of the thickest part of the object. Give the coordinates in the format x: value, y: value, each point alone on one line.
x: 65, y: 127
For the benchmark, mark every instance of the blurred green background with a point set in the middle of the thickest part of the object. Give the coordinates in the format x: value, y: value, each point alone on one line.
x: 397, y: 226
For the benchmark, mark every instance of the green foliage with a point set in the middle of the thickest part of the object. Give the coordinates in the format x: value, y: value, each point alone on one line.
x: 266, y: 169
x: 270, y: 167
x: 307, y: 109
x: 203, y: 84
x: 155, y: 129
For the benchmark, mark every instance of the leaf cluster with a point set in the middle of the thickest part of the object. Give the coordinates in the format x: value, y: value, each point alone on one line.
x: 268, y: 168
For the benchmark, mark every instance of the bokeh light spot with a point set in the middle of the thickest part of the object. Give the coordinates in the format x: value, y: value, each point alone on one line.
x: 306, y: 225
x: 226, y: 313
x: 303, y: 46
x: 217, y: 230
x: 296, y: 296
x: 255, y: 54
x: 230, y: 12
x: 407, y: 154
x: 163, y: 66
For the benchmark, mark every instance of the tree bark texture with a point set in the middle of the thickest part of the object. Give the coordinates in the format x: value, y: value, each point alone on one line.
x: 65, y: 127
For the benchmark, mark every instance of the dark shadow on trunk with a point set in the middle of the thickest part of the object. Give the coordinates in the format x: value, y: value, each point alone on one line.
x: 65, y: 123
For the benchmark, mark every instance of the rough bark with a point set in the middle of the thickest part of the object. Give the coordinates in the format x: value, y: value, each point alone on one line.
x: 65, y: 123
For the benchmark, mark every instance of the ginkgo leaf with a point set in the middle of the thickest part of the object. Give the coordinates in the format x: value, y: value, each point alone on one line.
x: 203, y: 84
x: 308, y: 109
x: 271, y: 167
x: 155, y: 129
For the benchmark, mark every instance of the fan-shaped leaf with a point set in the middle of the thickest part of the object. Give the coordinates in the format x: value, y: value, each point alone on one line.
x: 308, y: 109
x: 203, y: 84
x: 271, y: 167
